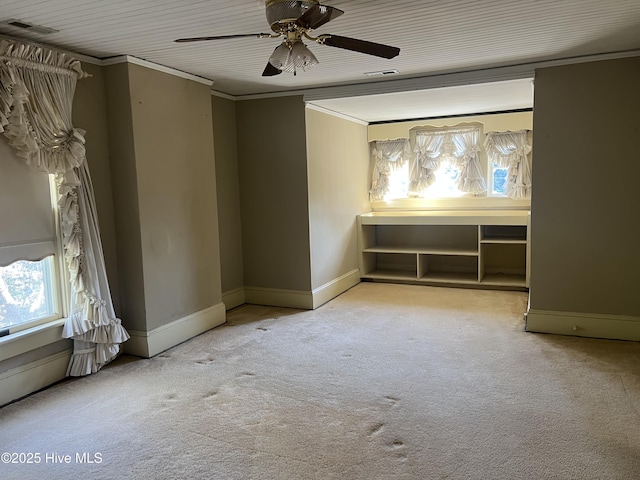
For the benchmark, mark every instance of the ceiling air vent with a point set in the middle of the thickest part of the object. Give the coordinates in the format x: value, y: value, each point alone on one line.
x: 22, y: 25
x: 381, y: 73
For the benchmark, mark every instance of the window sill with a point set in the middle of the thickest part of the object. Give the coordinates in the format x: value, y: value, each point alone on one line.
x: 461, y: 203
x: 30, y: 339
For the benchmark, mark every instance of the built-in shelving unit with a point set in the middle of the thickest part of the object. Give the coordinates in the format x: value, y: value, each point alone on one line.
x: 474, y: 248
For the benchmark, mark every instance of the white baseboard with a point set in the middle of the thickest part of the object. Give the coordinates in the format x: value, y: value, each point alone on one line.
x: 302, y: 299
x: 279, y: 297
x: 34, y: 376
x: 616, y: 327
x: 335, y: 287
x: 233, y: 298
x: 149, y: 344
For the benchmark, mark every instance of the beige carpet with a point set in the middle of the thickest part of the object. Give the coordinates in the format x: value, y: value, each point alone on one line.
x: 384, y: 382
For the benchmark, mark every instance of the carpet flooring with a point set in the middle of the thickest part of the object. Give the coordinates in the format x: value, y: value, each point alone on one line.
x: 384, y: 382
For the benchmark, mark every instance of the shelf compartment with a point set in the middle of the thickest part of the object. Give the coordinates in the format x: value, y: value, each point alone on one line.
x: 503, y: 234
x: 396, y: 266
x: 426, y: 238
x: 504, y: 264
x: 448, y: 268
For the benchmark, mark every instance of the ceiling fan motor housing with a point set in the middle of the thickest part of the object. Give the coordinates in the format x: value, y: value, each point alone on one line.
x: 280, y: 13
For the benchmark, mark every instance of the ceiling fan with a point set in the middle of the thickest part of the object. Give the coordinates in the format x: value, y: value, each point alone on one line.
x: 293, y: 20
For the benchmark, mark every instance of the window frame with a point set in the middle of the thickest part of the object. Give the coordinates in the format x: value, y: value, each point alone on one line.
x: 58, y: 276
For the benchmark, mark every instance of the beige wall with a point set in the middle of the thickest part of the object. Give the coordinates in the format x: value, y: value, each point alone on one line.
x: 125, y: 197
x: 90, y: 114
x: 165, y: 190
x: 585, y: 226
x: 338, y: 164
x: 176, y: 194
x: 272, y: 161
x: 228, y: 190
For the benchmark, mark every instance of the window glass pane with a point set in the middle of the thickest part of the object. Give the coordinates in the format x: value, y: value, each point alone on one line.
x: 26, y: 292
x: 398, y: 183
x: 499, y: 180
x: 445, y: 184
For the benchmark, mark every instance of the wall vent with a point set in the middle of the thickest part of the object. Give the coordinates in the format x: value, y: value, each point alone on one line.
x: 22, y: 25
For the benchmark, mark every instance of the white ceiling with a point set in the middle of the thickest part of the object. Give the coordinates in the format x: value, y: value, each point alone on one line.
x: 436, y: 37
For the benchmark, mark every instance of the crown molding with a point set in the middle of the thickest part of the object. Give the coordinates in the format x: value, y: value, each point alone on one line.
x: 155, y: 66
x: 216, y: 93
x: 318, y: 108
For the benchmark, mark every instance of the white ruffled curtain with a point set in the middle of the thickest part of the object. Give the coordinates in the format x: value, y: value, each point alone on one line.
x: 460, y: 147
x: 388, y: 156
x: 510, y: 149
x: 36, y: 95
x: 427, y: 155
x: 467, y: 150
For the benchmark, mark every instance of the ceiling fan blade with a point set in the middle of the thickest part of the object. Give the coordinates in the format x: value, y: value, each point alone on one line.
x: 317, y: 15
x: 362, y: 46
x: 271, y: 71
x: 222, y: 37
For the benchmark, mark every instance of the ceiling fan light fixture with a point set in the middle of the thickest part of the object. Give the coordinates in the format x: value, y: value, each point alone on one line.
x: 290, y: 57
x: 302, y: 56
x: 281, y: 57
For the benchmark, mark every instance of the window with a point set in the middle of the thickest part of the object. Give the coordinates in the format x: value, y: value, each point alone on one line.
x: 498, y: 180
x: 29, y: 286
x: 442, y: 163
x: 444, y: 187
x: 508, y: 155
x: 390, y: 165
x: 28, y: 294
x: 446, y: 183
x: 398, y: 182
x: 449, y: 162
